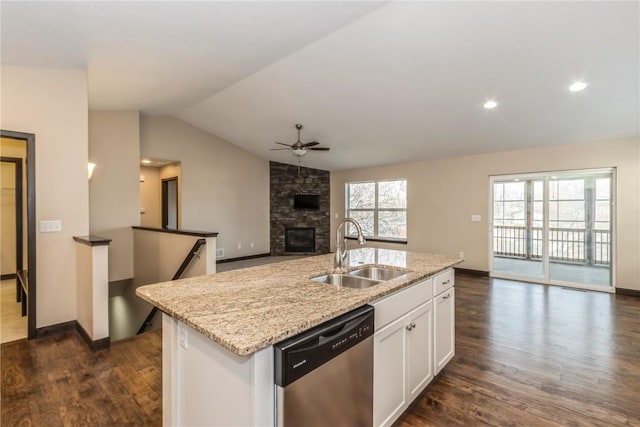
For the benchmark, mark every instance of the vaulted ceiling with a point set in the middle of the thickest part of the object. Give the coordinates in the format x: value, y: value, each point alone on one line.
x: 377, y: 82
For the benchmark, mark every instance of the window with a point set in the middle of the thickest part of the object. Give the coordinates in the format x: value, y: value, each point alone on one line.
x: 509, y: 203
x: 380, y: 207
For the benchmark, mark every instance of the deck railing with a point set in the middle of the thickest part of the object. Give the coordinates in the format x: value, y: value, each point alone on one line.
x: 565, y: 244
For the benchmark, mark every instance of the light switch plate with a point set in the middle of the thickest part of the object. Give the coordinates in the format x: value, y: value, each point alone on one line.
x: 476, y: 218
x: 50, y: 226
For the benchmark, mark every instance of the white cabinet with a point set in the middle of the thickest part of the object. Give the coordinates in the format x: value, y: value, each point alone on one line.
x: 419, y: 350
x: 389, y: 373
x: 444, y: 327
x: 402, y: 363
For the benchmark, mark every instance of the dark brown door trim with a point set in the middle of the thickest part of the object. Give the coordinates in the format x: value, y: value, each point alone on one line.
x: 18, y: 200
x: 165, y: 202
x: 30, y: 140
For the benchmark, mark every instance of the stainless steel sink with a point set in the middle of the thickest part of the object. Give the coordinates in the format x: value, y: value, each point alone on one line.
x: 377, y: 273
x: 348, y: 281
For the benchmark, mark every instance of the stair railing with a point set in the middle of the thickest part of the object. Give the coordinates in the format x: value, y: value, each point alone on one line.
x: 193, y: 253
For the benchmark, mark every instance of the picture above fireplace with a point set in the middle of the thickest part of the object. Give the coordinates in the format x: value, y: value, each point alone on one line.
x: 306, y: 201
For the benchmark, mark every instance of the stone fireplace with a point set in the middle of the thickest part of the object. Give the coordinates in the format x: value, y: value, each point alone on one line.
x: 300, y: 239
x: 298, y: 231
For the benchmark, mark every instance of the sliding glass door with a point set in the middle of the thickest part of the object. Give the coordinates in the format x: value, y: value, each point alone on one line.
x: 554, y: 228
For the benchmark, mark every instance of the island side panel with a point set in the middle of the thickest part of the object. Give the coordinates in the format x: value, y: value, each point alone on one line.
x: 169, y: 365
x: 205, y: 384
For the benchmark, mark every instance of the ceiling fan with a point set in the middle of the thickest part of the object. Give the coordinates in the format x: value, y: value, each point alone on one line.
x: 299, y: 148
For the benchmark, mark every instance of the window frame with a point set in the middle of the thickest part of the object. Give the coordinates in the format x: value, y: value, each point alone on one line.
x: 376, y: 237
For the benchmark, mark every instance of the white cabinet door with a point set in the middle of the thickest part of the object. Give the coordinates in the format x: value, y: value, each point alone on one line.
x: 444, y: 328
x: 389, y: 375
x: 419, y: 350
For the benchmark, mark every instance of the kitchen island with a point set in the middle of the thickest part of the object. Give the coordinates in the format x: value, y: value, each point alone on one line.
x: 218, y: 329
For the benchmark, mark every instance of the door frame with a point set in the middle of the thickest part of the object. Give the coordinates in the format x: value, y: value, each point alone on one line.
x: 544, y: 176
x: 30, y: 140
x: 18, y: 200
x: 17, y: 164
x: 165, y: 202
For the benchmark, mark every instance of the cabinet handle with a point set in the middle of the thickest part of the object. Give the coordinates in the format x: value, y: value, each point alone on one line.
x: 409, y: 327
x: 446, y: 282
x: 446, y: 296
x: 413, y: 325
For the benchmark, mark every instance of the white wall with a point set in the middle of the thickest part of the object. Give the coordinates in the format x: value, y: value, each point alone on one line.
x: 443, y: 194
x: 52, y: 104
x: 151, y: 197
x: 224, y: 189
x: 114, y: 192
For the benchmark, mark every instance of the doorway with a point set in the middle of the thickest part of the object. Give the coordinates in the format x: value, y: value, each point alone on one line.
x: 170, y: 203
x: 554, y: 228
x: 18, y: 153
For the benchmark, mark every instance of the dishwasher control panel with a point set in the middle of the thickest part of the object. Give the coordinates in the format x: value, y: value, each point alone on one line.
x: 301, y: 354
x: 364, y: 331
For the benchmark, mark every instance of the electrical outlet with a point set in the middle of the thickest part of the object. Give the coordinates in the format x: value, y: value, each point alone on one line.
x: 182, y: 336
x: 239, y: 245
x: 50, y: 226
x: 460, y: 254
x: 251, y: 244
x: 476, y: 218
x: 220, y: 253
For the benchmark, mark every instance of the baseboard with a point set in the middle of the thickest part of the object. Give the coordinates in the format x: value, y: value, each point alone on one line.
x: 59, y: 328
x: 73, y: 325
x: 241, y: 258
x: 479, y: 273
x: 96, y: 345
x: 630, y: 292
x: 7, y: 276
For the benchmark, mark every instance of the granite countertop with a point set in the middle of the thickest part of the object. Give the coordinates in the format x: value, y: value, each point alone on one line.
x: 250, y: 309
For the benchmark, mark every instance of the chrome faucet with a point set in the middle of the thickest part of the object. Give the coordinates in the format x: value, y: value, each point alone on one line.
x: 341, y: 252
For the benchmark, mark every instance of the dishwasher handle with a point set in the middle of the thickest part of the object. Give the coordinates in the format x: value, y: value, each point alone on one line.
x: 307, y: 351
x: 337, y: 334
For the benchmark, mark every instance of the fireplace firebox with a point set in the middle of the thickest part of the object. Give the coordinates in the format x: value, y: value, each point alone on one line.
x: 300, y: 239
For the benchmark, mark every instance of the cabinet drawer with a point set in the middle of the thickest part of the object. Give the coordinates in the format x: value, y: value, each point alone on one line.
x: 443, y: 281
x: 400, y: 303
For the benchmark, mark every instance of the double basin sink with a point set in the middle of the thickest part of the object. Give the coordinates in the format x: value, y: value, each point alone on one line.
x: 361, y: 278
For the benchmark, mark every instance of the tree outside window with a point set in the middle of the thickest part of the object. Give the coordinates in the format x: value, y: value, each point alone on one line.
x: 380, y: 207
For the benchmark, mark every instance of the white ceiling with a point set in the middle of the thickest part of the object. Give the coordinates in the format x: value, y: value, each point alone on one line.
x: 162, y: 56
x: 378, y: 83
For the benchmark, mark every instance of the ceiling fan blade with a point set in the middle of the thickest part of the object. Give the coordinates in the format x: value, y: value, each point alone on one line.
x: 280, y: 143
x: 279, y: 149
x: 319, y: 148
x: 310, y: 144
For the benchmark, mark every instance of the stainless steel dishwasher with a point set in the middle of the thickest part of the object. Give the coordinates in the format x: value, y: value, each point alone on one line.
x: 324, y: 376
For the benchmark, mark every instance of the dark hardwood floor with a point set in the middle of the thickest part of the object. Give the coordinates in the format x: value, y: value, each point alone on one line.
x: 527, y: 355
x: 534, y: 355
x: 57, y: 381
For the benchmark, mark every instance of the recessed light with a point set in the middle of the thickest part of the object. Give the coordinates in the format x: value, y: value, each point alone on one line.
x: 145, y: 161
x: 489, y: 105
x: 577, y: 86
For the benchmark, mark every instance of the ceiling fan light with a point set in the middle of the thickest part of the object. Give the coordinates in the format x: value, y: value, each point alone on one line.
x: 299, y: 152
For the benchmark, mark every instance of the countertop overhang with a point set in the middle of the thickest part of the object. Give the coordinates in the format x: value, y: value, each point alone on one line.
x: 250, y: 309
